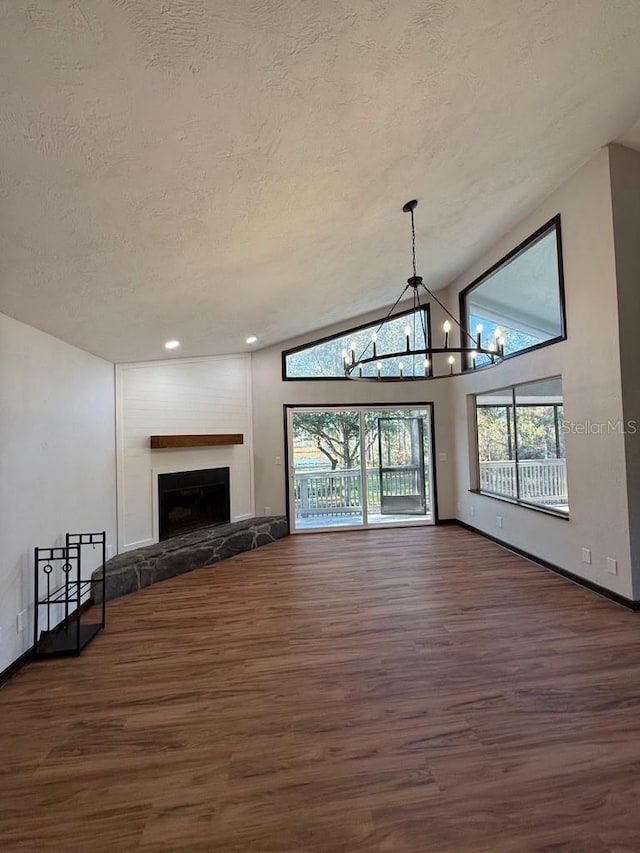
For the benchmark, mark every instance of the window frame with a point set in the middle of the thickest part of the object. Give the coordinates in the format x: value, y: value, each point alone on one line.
x: 511, y: 499
x: 426, y: 308
x: 554, y: 224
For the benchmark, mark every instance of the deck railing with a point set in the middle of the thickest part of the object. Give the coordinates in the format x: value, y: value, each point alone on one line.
x: 338, y: 492
x: 541, y: 480
x: 319, y: 493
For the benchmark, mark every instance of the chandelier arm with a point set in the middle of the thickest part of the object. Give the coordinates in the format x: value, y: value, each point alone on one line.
x: 383, y: 322
x: 422, y: 320
x: 446, y: 311
x: 395, y: 304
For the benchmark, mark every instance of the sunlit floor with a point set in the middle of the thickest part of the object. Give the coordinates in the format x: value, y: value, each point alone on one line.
x: 315, y: 522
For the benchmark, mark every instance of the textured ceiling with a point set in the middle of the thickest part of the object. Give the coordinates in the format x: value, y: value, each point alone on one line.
x: 208, y: 170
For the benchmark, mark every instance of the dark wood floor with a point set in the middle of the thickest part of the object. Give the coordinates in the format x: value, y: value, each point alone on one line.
x: 410, y: 690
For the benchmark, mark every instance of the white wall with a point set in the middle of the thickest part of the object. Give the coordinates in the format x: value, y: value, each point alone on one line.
x: 271, y: 393
x: 590, y: 368
x: 57, y: 460
x: 625, y: 188
x: 181, y: 396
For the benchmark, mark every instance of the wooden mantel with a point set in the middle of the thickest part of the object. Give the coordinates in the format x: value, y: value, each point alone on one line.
x: 159, y: 442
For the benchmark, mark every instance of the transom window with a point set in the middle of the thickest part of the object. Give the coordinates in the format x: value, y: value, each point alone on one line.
x: 322, y: 359
x: 521, y: 298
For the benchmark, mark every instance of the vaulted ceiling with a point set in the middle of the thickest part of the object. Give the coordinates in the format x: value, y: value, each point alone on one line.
x: 208, y: 170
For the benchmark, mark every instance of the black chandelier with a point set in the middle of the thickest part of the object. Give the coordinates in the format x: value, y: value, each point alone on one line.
x: 413, y: 361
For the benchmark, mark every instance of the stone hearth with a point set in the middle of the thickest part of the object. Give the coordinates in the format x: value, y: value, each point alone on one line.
x: 133, y: 570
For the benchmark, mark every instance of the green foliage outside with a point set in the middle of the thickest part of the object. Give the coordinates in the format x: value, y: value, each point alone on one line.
x: 336, y: 434
x: 536, y: 433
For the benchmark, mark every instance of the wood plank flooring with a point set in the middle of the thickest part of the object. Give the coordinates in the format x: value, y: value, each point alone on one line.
x: 395, y: 690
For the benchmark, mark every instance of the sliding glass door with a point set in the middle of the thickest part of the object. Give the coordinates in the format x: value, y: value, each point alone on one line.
x: 326, y: 471
x: 359, y: 467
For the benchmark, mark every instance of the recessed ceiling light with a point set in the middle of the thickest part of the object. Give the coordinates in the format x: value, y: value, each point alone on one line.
x: 172, y: 344
x: 251, y: 339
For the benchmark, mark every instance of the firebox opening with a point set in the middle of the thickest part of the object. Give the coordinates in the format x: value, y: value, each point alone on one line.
x: 189, y: 500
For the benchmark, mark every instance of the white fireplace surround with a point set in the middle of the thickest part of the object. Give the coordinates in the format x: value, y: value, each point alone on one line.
x: 181, y: 396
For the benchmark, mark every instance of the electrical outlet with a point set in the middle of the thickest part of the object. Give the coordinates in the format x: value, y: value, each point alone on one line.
x: 278, y: 460
x: 21, y: 621
x: 267, y: 510
x: 442, y: 457
x: 499, y: 520
x: 586, y: 556
x: 612, y: 566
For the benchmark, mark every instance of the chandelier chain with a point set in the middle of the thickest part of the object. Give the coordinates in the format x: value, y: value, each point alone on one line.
x: 413, y: 243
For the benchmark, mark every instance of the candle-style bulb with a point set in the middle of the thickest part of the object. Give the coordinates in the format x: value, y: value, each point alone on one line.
x: 400, y: 367
x: 498, y: 333
x: 479, y: 335
x: 446, y: 326
x: 374, y: 337
x: 451, y: 361
x: 426, y: 367
x: 379, y: 366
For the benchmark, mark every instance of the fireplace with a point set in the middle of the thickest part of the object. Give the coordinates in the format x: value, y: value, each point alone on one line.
x: 189, y: 500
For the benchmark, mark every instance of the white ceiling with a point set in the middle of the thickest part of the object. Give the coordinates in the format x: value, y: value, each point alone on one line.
x: 208, y: 169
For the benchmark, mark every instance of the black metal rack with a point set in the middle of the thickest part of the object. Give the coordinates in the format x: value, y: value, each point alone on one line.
x: 59, y: 580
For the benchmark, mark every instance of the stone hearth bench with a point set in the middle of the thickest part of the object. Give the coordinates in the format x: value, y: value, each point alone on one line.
x: 133, y: 570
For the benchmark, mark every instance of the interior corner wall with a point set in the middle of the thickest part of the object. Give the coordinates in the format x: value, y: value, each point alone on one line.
x: 175, y: 397
x: 590, y: 368
x: 57, y: 461
x: 271, y: 393
x: 625, y: 190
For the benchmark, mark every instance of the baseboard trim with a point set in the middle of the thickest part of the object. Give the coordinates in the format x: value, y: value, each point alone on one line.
x: 16, y: 666
x: 587, y: 584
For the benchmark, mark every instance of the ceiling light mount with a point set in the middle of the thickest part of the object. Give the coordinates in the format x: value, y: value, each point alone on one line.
x: 410, y: 206
x: 387, y: 358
